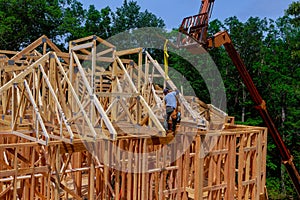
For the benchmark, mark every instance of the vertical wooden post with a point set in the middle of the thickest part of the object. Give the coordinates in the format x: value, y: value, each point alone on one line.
x: 94, y: 54
x: 179, y: 149
x: 14, y: 103
x: 44, y: 46
x: 199, y: 170
x: 117, y: 172
x: 76, y: 161
x: 71, y: 75
x: 114, y: 89
x: 57, y: 170
x: 264, y: 159
x: 240, y: 167
x: 186, y: 169
x: 123, y: 173
x: 106, y: 169
x: 135, y: 175
x: 91, y: 184
x: 146, y: 70
x: 247, y: 164
x: 230, y: 177
x: 258, y: 161
x: 140, y: 65
x: 211, y: 170
x: 4, y: 96
x: 32, y: 185
x: 145, y: 184
x: 100, y: 179
x: 130, y: 173
x: 15, y: 181
x: 48, y: 176
x: 140, y: 149
x: 138, y: 110
x: 52, y: 78
x: 98, y: 185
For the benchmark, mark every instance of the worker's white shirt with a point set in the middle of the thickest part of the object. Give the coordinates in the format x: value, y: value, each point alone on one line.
x: 170, y: 99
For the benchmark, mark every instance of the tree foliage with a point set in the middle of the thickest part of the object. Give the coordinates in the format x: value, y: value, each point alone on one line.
x: 22, y: 22
x: 129, y: 16
x: 294, y: 11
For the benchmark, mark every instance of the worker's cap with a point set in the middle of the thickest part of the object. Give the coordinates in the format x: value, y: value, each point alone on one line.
x: 166, y: 91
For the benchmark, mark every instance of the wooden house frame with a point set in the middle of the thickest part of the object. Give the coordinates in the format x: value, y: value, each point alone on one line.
x: 56, y: 107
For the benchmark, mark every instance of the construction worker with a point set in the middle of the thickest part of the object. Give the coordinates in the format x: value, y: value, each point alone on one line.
x: 170, y: 100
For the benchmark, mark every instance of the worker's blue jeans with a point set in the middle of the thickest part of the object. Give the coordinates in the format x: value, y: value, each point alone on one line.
x: 169, y: 111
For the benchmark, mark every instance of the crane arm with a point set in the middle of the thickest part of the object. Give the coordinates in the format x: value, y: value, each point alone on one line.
x: 206, y: 7
x: 222, y: 38
x: 196, y: 26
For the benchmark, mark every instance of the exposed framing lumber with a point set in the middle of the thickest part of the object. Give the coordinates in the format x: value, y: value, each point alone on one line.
x: 46, y: 95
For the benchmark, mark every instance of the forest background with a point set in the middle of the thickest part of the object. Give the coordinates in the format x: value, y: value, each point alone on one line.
x: 270, y: 49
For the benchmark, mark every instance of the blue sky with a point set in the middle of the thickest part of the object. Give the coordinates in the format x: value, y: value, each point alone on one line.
x: 173, y: 11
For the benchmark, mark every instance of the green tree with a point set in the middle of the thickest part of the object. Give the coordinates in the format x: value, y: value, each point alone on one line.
x: 72, y: 21
x: 294, y: 11
x: 24, y: 21
x: 129, y: 16
x: 98, y: 22
x: 78, y: 22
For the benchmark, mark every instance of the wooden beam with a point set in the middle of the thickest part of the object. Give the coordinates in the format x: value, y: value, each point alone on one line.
x: 20, y: 77
x: 29, y: 48
x: 128, y: 51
